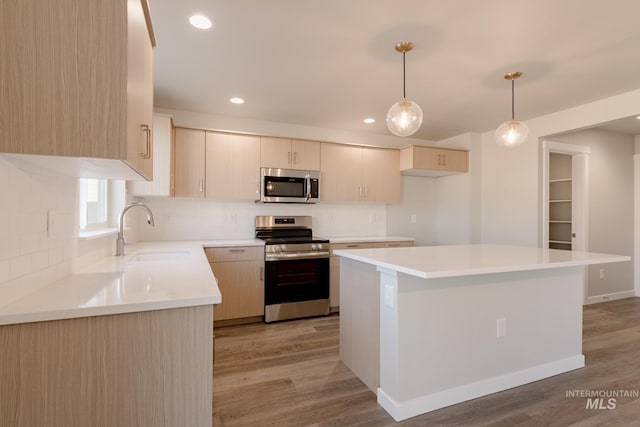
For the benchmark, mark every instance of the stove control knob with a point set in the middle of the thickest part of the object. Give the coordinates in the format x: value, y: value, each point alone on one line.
x: 276, y: 248
x: 314, y: 247
x: 283, y: 248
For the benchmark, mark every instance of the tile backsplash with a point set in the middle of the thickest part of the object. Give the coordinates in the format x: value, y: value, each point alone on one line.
x: 194, y: 219
x: 37, y: 230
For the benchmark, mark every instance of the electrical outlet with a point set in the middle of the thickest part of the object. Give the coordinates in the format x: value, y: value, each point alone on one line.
x: 601, y: 273
x: 501, y: 327
x: 414, y: 218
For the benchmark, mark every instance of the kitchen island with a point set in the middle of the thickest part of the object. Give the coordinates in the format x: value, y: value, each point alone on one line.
x: 428, y: 327
x: 125, y: 341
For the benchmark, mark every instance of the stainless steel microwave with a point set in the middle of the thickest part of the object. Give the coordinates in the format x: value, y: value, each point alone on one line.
x: 289, y: 186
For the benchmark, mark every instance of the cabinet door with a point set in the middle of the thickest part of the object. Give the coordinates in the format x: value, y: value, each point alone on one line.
x: 189, y: 161
x: 334, y: 269
x: 139, y: 91
x: 341, y: 173
x: 305, y: 155
x: 275, y: 153
x: 242, y: 289
x: 232, y: 166
x: 381, y: 175
x: 162, y: 135
x: 454, y: 160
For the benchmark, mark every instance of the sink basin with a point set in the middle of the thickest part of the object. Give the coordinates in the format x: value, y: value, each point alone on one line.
x: 165, y: 255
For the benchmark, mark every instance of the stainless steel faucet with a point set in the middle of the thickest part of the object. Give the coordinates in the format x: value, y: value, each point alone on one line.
x: 120, y: 241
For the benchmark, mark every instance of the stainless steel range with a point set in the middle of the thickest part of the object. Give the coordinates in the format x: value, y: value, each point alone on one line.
x: 296, y: 268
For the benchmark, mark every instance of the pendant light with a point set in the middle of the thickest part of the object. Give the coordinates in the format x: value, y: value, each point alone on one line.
x: 404, y: 117
x: 512, y: 133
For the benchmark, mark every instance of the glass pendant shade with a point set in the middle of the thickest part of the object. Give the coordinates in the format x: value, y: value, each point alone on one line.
x: 404, y: 118
x: 512, y: 133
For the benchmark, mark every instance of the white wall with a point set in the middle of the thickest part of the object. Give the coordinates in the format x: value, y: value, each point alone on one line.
x: 610, y: 207
x: 419, y: 198
x: 511, y: 209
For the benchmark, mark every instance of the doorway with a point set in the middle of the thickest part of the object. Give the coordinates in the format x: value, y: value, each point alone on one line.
x: 565, y: 196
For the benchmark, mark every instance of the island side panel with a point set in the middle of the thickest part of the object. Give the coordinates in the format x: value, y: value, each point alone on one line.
x: 148, y: 368
x: 359, y: 320
x: 440, y: 340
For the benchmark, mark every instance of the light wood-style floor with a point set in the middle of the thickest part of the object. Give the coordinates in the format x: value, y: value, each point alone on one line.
x: 289, y: 374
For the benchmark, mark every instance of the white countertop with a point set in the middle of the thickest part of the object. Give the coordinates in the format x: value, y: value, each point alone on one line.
x: 152, y: 276
x: 465, y: 260
x: 354, y: 239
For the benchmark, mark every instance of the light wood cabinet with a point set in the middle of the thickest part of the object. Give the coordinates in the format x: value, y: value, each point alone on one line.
x: 240, y: 275
x: 289, y: 154
x: 144, y: 369
x: 353, y: 173
x: 162, y: 139
x: 431, y: 161
x: 232, y: 166
x: 78, y: 84
x: 189, y: 163
x: 334, y: 263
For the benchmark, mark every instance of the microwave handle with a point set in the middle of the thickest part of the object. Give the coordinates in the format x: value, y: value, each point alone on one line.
x: 308, y: 185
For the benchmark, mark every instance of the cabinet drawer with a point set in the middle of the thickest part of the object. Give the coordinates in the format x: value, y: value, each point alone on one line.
x: 398, y: 244
x: 352, y: 245
x: 238, y: 253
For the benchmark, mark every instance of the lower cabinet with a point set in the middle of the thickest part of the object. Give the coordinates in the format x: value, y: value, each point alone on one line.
x: 334, y: 263
x: 144, y: 369
x: 240, y: 275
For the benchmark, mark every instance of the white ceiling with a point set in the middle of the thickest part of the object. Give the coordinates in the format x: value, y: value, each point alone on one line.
x: 332, y: 63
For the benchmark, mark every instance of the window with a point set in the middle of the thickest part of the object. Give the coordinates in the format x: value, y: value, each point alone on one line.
x: 93, y: 204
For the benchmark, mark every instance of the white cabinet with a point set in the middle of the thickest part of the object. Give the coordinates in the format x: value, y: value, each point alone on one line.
x: 354, y: 173
x: 161, y: 185
x: 431, y: 161
x: 232, y: 166
x: 289, y: 154
x: 239, y: 272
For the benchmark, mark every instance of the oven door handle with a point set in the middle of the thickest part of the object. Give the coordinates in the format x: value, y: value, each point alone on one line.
x: 295, y: 255
x: 308, y: 185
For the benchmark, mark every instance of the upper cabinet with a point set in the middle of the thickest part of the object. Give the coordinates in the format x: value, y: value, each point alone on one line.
x: 232, y: 166
x: 289, y: 154
x: 77, y: 80
x: 189, y: 163
x: 162, y: 141
x: 354, y: 173
x: 430, y: 161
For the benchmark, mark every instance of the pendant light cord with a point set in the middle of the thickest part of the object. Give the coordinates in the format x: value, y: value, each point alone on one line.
x: 404, y: 78
x: 513, y: 110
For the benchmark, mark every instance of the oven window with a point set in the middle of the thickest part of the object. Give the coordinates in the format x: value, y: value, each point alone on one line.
x: 296, y: 280
x: 284, y: 187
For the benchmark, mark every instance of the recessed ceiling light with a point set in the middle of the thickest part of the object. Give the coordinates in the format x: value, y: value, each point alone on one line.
x: 369, y: 120
x: 237, y: 100
x: 200, y: 21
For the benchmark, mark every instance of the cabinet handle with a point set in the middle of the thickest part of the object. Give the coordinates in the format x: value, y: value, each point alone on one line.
x: 262, y: 274
x: 360, y: 192
x: 236, y: 250
x: 444, y: 160
x: 366, y: 191
x: 295, y: 157
x: 289, y: 157
x: 394, y: 245
x: 353, y: 246
x: 201, y: 185
x: 147, y: 130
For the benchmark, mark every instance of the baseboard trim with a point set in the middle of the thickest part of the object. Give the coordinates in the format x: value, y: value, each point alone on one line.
x: 610, y: 297
x: 420, y: 405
